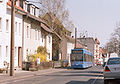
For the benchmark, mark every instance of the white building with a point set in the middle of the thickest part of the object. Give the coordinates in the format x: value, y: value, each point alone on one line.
x: 5, y: 27
x: 70, y: 45
x: 30, y: 32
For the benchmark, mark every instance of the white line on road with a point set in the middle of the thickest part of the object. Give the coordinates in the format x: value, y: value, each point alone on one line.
x: 95, y: 79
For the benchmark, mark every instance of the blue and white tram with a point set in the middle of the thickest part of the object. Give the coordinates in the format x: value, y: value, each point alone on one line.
x: 81, y: 58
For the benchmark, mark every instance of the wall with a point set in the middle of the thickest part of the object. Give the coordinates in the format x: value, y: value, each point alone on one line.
x: 3, y: 34
x: 69, y: 47
x: 5, y: 14
x: 34, y: 39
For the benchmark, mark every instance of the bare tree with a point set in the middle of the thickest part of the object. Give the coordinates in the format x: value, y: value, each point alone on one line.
x: 114, y: 43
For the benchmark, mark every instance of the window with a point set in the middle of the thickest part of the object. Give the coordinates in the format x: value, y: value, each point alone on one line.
x: 36, y: 32
x: 15, y: 26
x: 32, y: 10
x: 0, y: 51
x: 6, y: 51
x: 42, y: 37
x: 0, y: 24
x: 7, y: 25
x: 27, y: 32
x: 19, y: 28
x: 17, y: 3
x: 49, y: 39
x: 49, y: 55
x: 38, y: 35
x: 15, y: 51
x: 26, y: 6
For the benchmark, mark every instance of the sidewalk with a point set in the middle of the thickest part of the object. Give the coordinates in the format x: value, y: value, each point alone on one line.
x: 25, y: 74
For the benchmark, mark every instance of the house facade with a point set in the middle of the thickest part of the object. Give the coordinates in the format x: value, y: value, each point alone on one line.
x: 5, y: 27
x: 88, y: 42
x: 30, y: 32
x: 36, y: 33
x: 97, y: 57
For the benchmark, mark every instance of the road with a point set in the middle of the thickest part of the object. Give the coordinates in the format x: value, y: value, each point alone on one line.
x: 91, y: 75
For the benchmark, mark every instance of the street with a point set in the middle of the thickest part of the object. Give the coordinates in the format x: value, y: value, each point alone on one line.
x: 91, y: 75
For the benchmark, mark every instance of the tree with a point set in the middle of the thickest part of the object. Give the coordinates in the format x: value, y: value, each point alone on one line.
x: 114, y: 43
x: 57, y: 17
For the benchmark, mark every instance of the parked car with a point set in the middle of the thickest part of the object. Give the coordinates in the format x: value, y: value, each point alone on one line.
x: 112, y: 69
x: 65, y: 63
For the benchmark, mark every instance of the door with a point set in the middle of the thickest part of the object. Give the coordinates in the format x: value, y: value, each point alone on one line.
x: 19, y: 57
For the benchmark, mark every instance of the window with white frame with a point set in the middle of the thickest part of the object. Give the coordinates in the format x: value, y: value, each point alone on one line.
x: 32, y: 10
x: 0, y: 51
x: 0, y: 24
x: 7, y: 25
x: 25, y: 6
x: 6, y: 51
x: 17, y: 3
x: 15, y: 26
x: 19, y: 28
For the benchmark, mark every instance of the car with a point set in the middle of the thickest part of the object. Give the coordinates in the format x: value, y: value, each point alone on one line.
x: 111, y: 69
x: 65, y: 63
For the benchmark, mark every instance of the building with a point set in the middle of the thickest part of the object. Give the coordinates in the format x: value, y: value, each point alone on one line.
x: 97, y: 56
x: 30, y: 32
x: 5, y: 33
x: 93, y: 46
x: 35, y: 32
x: 88, y: 42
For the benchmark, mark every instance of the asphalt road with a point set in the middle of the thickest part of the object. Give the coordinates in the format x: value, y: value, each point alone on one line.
x: 93, y: 75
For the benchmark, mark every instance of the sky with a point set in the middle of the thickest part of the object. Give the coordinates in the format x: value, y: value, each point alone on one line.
x: 98, y: 17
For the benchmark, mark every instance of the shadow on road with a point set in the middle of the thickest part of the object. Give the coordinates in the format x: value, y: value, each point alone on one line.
x: 91, y: 75
x: 91, y: 81
x: 98, y: 72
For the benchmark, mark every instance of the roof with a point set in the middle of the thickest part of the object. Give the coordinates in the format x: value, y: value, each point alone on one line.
x: 46, y: 28
x: 57, y: 35
x: 87, y: 38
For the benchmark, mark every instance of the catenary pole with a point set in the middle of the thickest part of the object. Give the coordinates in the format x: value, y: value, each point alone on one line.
x: 75, y: 37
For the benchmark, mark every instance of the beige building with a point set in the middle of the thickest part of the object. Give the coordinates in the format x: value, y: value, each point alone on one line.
x: 35, y: 32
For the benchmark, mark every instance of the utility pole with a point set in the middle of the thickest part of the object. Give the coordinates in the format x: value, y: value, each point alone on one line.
x: 12, y: 38
x: 75, y: 37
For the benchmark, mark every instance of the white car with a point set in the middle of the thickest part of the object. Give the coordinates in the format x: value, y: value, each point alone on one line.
x: 112, y: 69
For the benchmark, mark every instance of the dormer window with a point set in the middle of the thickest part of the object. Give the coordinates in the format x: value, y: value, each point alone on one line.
x: 32, y: 10
x: 17, y: 3
x: 36, y: 12
x: 25, y: 6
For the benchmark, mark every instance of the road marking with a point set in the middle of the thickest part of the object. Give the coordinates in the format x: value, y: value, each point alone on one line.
x: 96, y: 79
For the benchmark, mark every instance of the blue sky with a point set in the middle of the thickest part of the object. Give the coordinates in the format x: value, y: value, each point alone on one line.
x: 98, y: 17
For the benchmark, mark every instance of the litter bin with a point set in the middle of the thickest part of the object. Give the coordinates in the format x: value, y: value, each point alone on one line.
x: 27, y: 66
